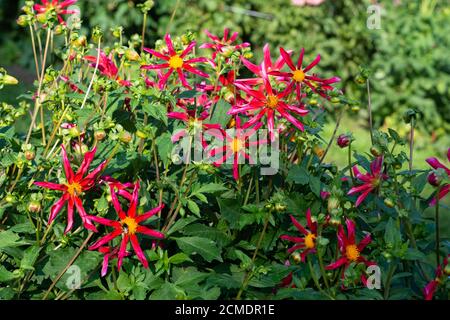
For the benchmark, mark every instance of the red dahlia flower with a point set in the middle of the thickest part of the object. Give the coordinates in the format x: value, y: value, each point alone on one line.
x: 76, y: 184
x: 432, y: 286
x: 118, y: 187
x: 433, y: 179
x: 350, y: 250
x: 225, y: 45
x: 127, y: 227
x: 59, y: 7
x: 298, y: 75
x: 195, y: 123
x: 371, y: 180
x: 176, y: 62
x: 108, y: 253
x: 268, y: 102
x: 308, y: 241
x: 236, y: 146
x: 107, y: 67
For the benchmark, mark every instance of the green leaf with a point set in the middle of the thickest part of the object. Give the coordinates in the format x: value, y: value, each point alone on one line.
x: 202, y: 246
x: 30, y: 256
x: 414, y: 254
x: 10, y: 239
x: 123, y: 282
x: 314, y: 184
x: 168, y: 291
x: 179, y: 257
x: 6, y: 275
x: 180, y: 224
x: 219, y: 114
x: 193, y: 207
x: 392, y: 233
x: 298, y: 175
x: 211, y: 188
x: 156, y: 111
x: 165, y: 145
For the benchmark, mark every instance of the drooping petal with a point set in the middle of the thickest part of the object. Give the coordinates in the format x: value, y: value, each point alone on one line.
x: 57, y: 206
x: 364, y: 242
x: 138, y: 250
x: 336, y: 264
x: 70, y: 205
x: 102, y: 241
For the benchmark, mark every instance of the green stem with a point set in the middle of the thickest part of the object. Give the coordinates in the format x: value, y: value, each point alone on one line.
x: 369, y: 106
x: 350, y: 162
x: 316, y: 281
x: 248, y: 274
x: 438, y: 238
x: 336, y: 127
x: 387, y: 286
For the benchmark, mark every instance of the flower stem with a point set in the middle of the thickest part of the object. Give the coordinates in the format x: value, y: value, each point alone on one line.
x: 38, y: 96
x: 438, y: 238
x: 411, y: 146
x: 316, y: 281
x: 350, y: 162
x: 369, y: 106
x: 255, y: 253
x: 336, y: 127
x: 93, y: 76
x: 387, y: 286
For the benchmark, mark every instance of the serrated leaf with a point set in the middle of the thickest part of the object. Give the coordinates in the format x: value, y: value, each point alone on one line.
x: 30, y: 256
x: 202, y: 246
x: 180, y: 224
x: 298, y: 175
x: 10, y: 239
x: 179, y: 257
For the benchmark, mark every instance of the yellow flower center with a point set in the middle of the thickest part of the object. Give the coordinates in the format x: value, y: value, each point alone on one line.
x: 352, y: 252
x: 236, y: 145
x: 129, y: 225
x: 310, y: 240
x: 298, y: 75
x: 272, y: 101
x: 74, y: 188
x: 175, y: 62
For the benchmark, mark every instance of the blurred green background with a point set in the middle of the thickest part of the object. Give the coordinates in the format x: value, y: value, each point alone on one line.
x: 408, y: 52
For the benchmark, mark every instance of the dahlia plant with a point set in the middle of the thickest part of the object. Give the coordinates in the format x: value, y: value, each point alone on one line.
x: 158, y: 223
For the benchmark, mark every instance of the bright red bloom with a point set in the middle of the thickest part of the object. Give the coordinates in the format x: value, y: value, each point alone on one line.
x: 176, y: 62
x: 433, y: 285
x: 195, y: 122
x: 59, y: 7
x: 268, y: 102
x: 235, y: 146
x: 225, y: 45
x: 265, y: 67
x: 108, y: 253
x: 76, y: 184
x: 127, y: 227
x: 371, y: 180
x: 433, y: 162
x: 107, y: 67
x: 308, y: 241
x: 118, y: 187
x: 298, y: 75
x: 350, y: 250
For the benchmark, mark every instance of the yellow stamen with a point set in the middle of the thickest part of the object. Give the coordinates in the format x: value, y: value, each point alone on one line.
x: 298, y: 75
x: 129, y: 225
x: 74, y: 188
x: 310, y: 240
x: 272, y: 101
x: 352, y: 252
x: 236, y: 145
x: 175, y: 62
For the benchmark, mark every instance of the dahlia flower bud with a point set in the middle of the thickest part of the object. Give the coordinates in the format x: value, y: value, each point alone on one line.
x: 132, y: 55
x: 434, y: 180
x: 34, y: 206
x: 343, y: 140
